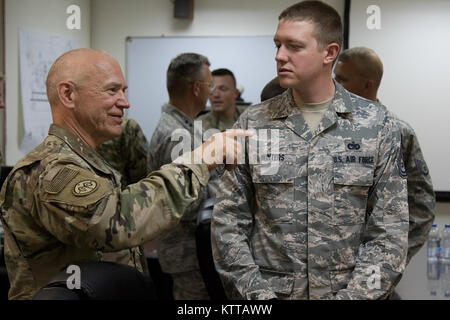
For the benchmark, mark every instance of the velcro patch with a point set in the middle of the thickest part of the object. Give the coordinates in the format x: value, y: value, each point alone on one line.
x: 62, y: 178
x: 84, y: 188
x: 353, y: 145
x: 422, y: 166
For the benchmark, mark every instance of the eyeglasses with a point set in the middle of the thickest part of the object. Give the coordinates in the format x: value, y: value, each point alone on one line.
x: 221, y: 89
x: 211, y: 85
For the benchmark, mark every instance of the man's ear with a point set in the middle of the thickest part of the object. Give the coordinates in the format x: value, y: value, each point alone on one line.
x: 369, y: 84
x: 332, y: 52
x: 66, y: 93
x: 236, y: 93
x: 196, y: 88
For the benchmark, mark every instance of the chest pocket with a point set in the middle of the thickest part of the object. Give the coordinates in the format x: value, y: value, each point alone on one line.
x: 351, y: 188
x: 274, y: 187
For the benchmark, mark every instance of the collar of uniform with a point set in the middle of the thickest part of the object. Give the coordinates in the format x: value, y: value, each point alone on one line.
x: 79, y: 147
x: 286, y: 106
x: 342, y: 102
x: 180, y: 115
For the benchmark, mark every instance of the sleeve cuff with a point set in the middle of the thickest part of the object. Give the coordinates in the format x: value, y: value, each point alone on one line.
x: 196, y: 164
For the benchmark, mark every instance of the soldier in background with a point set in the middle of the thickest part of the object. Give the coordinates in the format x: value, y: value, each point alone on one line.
x: 224, y: 111
x: 334, y: 215
x: 272, y: 89
x: 189, y: 84
x: 360, y: 70
x: 63, y: 204
x: 127, y: 153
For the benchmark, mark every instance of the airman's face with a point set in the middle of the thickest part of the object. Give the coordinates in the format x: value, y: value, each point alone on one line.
x: 299, y: 57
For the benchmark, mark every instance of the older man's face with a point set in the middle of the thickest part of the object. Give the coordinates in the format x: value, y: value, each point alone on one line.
x: 101, y: 100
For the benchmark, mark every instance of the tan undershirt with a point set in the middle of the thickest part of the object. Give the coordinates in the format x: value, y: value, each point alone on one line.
x: 313, y: 112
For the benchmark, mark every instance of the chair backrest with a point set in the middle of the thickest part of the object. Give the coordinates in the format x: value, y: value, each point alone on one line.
x: 100, y: 281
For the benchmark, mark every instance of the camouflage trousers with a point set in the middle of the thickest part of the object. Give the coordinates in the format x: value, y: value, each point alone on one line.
x: 189, y: 286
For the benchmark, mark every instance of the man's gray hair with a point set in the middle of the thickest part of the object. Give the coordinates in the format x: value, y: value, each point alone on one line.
x: 184, y: 69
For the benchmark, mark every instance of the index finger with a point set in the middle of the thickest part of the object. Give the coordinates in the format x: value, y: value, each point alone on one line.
x: 238, y: 133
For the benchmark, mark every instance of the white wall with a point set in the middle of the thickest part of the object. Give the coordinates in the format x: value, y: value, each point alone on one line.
x: 114, y: 20
x: 41, y: 15
x: 413, y: 45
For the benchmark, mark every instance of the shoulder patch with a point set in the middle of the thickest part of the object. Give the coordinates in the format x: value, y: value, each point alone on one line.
x: 401, y: 168
x: 422, y: 166
x: 62, y: 178
x: 84, y: 188
x: 77, y: 187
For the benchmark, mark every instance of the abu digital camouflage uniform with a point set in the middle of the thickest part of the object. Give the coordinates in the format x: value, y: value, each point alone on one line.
x: 332, y: 223
x: 127, y: 153
x: 62, y: 204
x: 177, y: 253
x: 211, y: 120
x: 421, y: 197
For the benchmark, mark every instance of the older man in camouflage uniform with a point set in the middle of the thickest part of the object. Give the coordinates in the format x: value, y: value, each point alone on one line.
x: 188, y: 82
x: 360, y: 71
x: 332, y: 221
x: 62, y: 203
x: 127, y: 153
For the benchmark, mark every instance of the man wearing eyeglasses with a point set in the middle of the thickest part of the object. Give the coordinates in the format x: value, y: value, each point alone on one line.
x: 224, y: 111
x: 189, y: 84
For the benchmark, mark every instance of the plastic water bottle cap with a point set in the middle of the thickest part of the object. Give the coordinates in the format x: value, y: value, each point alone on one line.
x: 447, y: 226
x: 434, y: 225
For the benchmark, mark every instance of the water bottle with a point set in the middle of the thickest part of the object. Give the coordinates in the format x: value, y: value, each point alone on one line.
x: 445, y: 261
x: 433, y: 253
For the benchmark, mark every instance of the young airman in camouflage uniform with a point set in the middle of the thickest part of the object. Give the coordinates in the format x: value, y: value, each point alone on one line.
x: 332, y: 221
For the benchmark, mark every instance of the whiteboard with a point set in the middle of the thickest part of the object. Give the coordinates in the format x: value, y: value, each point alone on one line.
x: 251, y: 59
x: 413, y: 45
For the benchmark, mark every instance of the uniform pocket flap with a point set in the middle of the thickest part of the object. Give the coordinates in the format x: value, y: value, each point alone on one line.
x: 353, y: 175
x: 280, y: 282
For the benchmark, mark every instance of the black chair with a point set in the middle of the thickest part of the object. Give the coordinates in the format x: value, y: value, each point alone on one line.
x: 163, y: 281
x: 100, y: 281
x: 4, y: 280
x: 4, y: 171
x: 210, y: 276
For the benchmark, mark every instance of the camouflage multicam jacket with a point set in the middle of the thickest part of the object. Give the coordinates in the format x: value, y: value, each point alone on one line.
x: 331, y: 222
x: 62, y: 204
x: 127, y: 153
